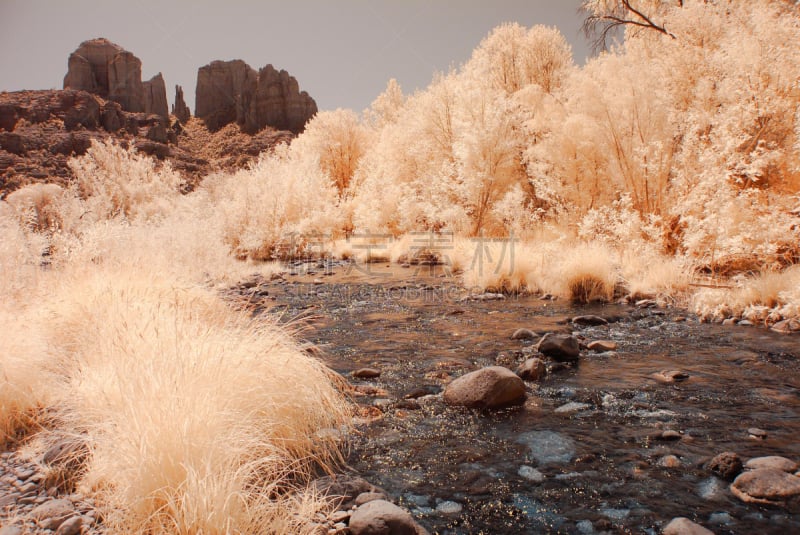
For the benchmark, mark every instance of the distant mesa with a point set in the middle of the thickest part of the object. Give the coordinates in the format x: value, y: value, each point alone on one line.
x: 233, y: 92
x: 105, y: 69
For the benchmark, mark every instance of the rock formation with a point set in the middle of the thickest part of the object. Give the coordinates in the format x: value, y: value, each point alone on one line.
x: 111, y: 72
x: 179, y: 108
x: 155, y: 96
x: 232, y: 92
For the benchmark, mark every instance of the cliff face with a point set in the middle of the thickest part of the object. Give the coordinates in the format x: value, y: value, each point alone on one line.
x: 105, y: 69
x: 233, y: 92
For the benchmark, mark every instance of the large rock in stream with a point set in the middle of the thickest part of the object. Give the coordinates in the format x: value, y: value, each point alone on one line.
x: 559, y: 347
x: 768, y: 486
x: 494, y: 387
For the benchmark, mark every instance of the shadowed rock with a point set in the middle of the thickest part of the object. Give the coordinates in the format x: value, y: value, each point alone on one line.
x: 105, y: 69
x: 233, y: 92
x: 179, y: 108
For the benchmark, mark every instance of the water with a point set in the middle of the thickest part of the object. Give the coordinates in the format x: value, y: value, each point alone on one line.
x: 591, y: 467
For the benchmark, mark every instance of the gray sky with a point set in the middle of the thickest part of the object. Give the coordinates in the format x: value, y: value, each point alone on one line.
x: 341, y: 51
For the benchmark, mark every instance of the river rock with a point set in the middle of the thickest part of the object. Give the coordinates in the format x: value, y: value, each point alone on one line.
x: 589, y: 320
x: 766, y: 486
x: 532, y: 369
x: 51, y: 514
x: 494, y: 387
x: 601, y: 346
x: 726, y: 465
x: 789, y: 326
x: 684, y: 526
x: 548, y: 447
x: 559, y: 347
x: 774, y: 462
x: 670, y: 376
x: 524, y: 334
x: 367, y: 373
x: 380, y: 517
x: 346, y: 487
x: 366, y: 497
x: 755, y: 432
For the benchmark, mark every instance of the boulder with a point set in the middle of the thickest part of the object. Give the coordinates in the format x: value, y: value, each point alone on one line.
x: 179, y: 108
x: 155, y: 96
x: 380, y: 517
x: 532, y: 369
x: 774, y: 462
x: 559, y: 347
x: 766, y: 486
x: 684, y: 526
x: 726, y: 465
x: 494, y: 387
x: 232, y: 92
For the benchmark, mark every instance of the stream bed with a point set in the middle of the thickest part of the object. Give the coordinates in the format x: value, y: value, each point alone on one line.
x: 587, y: 452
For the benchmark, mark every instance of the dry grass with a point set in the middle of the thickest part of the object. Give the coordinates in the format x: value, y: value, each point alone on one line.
x: 194, y: 414
x: 768, y: 296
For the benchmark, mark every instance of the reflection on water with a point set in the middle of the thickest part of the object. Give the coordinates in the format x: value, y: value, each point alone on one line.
x: 596, y: 464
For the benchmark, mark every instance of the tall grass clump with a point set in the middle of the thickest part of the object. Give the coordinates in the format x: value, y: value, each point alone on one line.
x: 198, y: 419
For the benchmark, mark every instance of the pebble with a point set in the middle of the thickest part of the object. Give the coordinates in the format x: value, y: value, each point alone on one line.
x: 530, y: 473
x: 602, y: 346
x: 524, y: 334
x: 572, y: 406
x: 669, y: 461
x: 757, y: 433
x: 449, y: 508
x: 670, y: 376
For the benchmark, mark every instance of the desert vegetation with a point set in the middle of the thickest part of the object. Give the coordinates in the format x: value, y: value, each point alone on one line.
x: 668, y: 166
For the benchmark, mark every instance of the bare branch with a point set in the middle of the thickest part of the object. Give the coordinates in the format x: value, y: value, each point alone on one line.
x: 599, y: 27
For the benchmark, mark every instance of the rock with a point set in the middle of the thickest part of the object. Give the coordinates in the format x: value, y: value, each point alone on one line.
x: 774, y: 462
x: 684, y: 526
x: 726, y: 465
x: 766, y: 486
x: 530, y: 473
x: 366, y: 373
x: 232, y: 92
x: 11, y: 530
x: 380, y: 517
x: 179, y: 107
x: 339, y: 516
x: 71, y: 526
x: 560, y: 347
x: 669, y: 461
x: 572, y: 406
x: 524, y: 334
x: 105, y: 69
x: 532, y: 369
x: 728, y: 322
x: 366, y: 497
x: 670, y: 376
x: 346, y: 487
x: 755, y: 432
x: 155, y: 96
x: 589, y: 320
x: 51, y: 514
x: 494, y: 387
x: 449, y: 508
x: 548, y: 447
x: 789, y: 326
x: 601, y: 346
